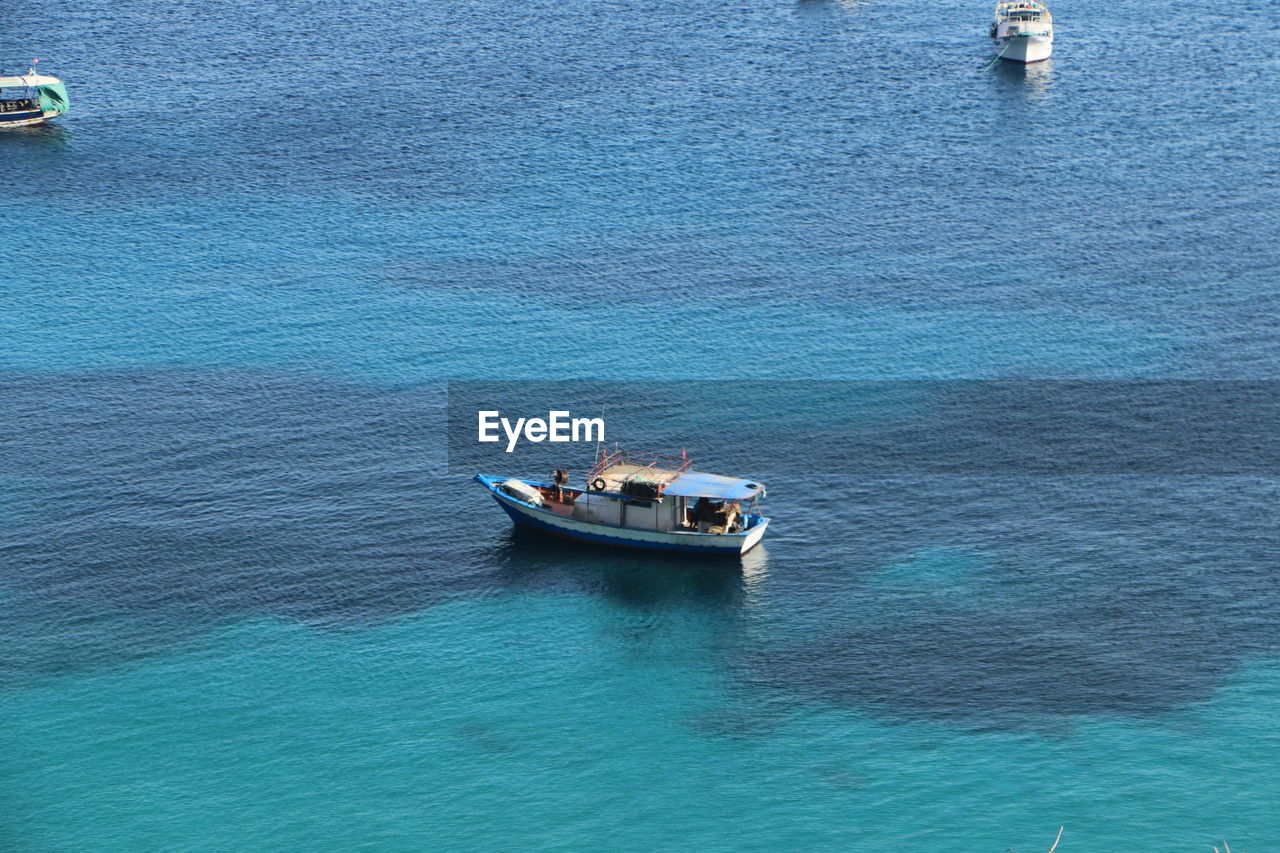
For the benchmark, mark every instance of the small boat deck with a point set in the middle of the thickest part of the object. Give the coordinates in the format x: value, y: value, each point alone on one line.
x: 615, y: 475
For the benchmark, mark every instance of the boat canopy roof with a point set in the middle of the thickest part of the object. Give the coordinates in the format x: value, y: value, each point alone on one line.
x: 695, y: 484
x: 28, y: 80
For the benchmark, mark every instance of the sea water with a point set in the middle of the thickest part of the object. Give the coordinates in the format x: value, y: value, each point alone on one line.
x: 245, y: 603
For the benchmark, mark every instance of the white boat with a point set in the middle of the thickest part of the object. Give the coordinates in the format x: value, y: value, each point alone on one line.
x: 640, y: 501
x: 31, y: 98
x: 1023, y: 31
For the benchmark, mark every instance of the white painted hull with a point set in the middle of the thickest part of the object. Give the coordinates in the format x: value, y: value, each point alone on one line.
x: 1025, y: 49
x: 608, y: 534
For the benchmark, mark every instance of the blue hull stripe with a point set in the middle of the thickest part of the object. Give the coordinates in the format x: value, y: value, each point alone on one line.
x: 538, y: 524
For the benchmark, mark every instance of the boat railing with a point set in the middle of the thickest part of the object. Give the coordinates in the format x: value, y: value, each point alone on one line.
x: 1023, y: 12
x: 606, y: 459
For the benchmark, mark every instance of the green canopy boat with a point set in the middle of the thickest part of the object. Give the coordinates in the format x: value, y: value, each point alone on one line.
x: 31, y: 98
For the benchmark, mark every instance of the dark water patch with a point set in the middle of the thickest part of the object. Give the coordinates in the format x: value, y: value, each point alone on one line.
x: 156, y: 504
x: 484, y: 738
x: 159, y: 503
x: 989, y: 595
x: 1070, y: 596
x: 994, y: 668
x: 746, y: 718
x: 842, y: 776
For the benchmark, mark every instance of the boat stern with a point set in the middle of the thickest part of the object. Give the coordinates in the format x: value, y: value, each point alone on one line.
x: 754, y: 535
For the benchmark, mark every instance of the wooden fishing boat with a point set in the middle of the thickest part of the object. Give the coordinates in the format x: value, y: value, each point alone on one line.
x: 639, y: 500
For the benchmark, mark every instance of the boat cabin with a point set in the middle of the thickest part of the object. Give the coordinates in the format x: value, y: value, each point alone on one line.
x: 13, y: 103
x: 649, y: 492
x: 1025, y: 11
x: 1022, y: 18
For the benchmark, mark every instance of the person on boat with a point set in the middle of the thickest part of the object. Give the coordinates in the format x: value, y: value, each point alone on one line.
x: 732, y: 514
x: 559, y: 477
x: 703, y: 514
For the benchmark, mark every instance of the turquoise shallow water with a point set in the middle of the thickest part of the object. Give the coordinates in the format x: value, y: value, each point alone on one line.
x: 245, y: 604
x: 561, y: 721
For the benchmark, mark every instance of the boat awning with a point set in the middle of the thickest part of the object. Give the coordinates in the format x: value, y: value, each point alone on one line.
x: 28, y: 81
x: 695, y: 484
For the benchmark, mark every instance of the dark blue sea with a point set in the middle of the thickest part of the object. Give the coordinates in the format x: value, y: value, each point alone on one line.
x: 251, y: 600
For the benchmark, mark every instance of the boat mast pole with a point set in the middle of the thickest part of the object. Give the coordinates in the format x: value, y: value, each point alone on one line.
x: 600, y: 434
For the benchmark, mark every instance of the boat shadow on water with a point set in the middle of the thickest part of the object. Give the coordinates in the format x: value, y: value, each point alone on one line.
x: 36, y: 137
x: 533, y: 559
x: 1032, y: 82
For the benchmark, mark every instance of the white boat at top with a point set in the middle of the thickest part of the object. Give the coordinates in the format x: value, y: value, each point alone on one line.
x: 31, y: 98
x: 1023, y: 30
x: 641, y: 501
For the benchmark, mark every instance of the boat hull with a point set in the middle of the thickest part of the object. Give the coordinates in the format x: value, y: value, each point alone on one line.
x: 546, y: 521
x: 1025, y: 49
x: 26, y: 119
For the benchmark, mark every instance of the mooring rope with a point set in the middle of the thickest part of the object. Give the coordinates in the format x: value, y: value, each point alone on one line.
x: 998, y: 55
